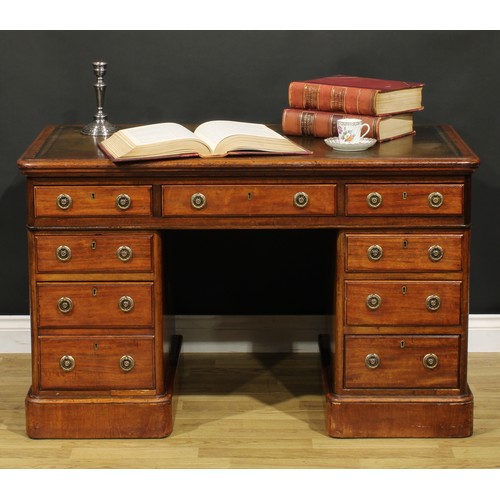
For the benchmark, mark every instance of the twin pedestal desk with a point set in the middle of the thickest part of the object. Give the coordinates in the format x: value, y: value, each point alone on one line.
x: 395, y: 362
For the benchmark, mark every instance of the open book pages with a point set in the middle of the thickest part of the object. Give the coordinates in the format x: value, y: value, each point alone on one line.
x: 214, y: 138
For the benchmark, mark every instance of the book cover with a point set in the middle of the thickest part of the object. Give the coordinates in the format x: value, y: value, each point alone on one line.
x: 324, y: 124
x: 356, y: 95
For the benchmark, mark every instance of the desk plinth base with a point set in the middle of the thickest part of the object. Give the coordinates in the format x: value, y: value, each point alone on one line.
x: 405, y: 417
x: 349, y: 416
x: 105, y: 417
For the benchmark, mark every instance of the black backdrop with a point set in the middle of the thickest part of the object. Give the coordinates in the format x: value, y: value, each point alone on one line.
x: 193, y: 76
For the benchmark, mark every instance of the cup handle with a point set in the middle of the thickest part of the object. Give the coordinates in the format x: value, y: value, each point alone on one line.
x: 368, y: 130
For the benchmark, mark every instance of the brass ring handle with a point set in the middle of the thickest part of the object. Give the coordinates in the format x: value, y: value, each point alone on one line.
x: 433, y: 302
x: 198, y: 201
x: 436, y: 253
x: 126, y: 303
x: 430, y: 361
x: 67, y: 363
x: 123, y: 201
x: 375, y: 252
x: 64, y: 201
x: 374, y: 200
x: 127, y: 363
x: 372, y: 361
x: 301, y: 199
x: 63, y: 253
x: 65, y: 305
x: 373, y: 301
x: 435, y: 199
x: 124, y: 253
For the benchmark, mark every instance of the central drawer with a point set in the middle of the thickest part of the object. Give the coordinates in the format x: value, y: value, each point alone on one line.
x: 403, y: 303
x: 97, y: 363
x: 259, y: 200
x: 95, y: 305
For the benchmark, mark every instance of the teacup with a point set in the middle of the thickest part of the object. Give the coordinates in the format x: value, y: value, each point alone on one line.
x: 349, y: 130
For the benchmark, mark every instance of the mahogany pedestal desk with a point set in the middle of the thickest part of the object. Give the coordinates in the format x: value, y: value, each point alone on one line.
x: 395, y: 363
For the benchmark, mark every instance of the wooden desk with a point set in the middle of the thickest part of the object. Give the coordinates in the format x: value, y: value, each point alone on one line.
x: 395, y: 363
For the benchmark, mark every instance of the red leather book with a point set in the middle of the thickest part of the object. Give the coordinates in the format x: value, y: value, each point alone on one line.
x: 324, y: 124
x: 356, y: 95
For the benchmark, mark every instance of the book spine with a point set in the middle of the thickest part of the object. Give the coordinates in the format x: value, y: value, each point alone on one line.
x: 321, y: 123
x: 323, y: 97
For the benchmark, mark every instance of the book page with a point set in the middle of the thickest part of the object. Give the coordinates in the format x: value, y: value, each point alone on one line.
x: 215, y: 131
x: 159, y: 132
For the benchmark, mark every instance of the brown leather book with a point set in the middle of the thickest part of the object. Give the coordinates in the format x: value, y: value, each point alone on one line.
x: 356, y: 95
x: 324, y: 124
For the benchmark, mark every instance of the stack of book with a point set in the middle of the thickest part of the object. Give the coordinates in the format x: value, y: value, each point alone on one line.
x: 386, y: 105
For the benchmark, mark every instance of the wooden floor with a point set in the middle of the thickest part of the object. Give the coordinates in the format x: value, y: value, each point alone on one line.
x: 247, y: 411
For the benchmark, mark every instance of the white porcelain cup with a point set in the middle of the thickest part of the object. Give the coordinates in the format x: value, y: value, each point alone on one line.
x: 349, y: 130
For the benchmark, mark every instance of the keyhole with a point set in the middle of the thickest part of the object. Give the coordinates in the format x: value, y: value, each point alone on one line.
x: 96, y: 346
x: 93, y: 245
x: 404, y: 289
x: 405, y: 195
x: 405, y: 244
x: 94, y: 292
x: 249, y: 196
x: 92, y: 195
x: 402, y: 344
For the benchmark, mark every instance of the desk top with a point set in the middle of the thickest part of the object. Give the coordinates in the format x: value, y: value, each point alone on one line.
x: 433, y: 150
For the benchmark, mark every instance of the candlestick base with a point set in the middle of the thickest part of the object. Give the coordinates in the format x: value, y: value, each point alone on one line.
x: 99, y: 127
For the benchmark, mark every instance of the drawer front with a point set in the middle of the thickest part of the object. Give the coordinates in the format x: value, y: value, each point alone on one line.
x: 405, y: 199
x: 401, y: 362
x: 97, y: 363
x: 407, y: 253
x: 249, y: 200
x: 92, y: 201
x: 403, y: 303
x: 95, y: 305
x: 88, y: 253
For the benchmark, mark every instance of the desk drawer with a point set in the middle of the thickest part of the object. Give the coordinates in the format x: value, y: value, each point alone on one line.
x: 249, y: 200
x: 403, y: 303
x: 405, y: 199
x: 97, y: 363
x: 406, y: 253
x: 89, y: 253
x: 401, y: 362
x: 92, y: 201
x: 95, y: 305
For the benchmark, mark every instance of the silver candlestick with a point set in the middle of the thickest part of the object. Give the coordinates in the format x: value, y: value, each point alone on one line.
x: 100, y: 126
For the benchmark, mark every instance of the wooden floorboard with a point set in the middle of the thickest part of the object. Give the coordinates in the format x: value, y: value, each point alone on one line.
x: 247, y: 411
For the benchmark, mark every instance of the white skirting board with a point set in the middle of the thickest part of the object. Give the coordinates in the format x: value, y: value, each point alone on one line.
x: 252, y: 333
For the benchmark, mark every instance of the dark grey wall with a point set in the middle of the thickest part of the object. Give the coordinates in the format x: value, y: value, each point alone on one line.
x: 46, y: 77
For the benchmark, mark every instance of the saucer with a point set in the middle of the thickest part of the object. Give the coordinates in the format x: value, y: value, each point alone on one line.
x: 363, y: 144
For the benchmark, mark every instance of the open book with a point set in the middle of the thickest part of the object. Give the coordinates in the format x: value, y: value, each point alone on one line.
x: 214, y: 138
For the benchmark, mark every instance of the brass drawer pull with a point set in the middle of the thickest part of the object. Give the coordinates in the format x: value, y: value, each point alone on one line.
x: 127, y: 363
x: 126, y: 303
x: 64, y: 201
x: 65, y: 305
x: 433, y: 302
x: 430, y: 361
x: 124, y: 253
x: 301, y: 199
x: 198, y: 201
x: 372, y: 361
x: 435, y: 199
x: 375, y: 252
x: 374, y: 200
x: 123, y: 201
x: 436, y: 253
x: 67, y: 363
x: 63, y: 253
x: 373, y: 301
